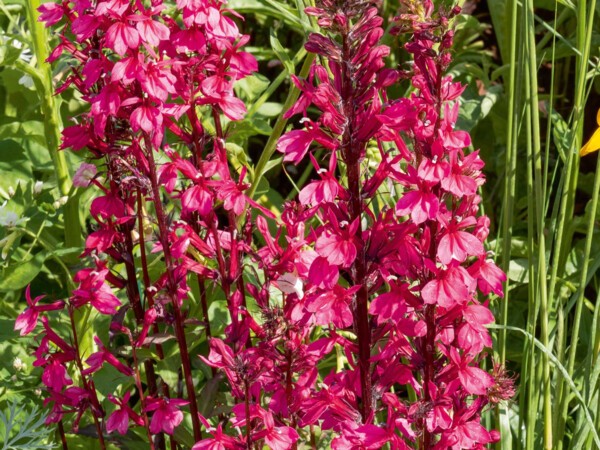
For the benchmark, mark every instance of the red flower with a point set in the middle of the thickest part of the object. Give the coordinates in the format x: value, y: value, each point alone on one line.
x: 166, y: 413
x: 94, y: 290
x: 27, y: 320
x: 449, y: 288
x: 121, y: 36
x: 119, y: 419
x: 96, y: 360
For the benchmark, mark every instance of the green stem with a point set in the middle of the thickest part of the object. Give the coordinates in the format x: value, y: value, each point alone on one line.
x: 510, y: 176
x: 584, y: 35
x: 284, y: 75
x: 532, y: 87
x: 267, y: 153
x: 53, y: 124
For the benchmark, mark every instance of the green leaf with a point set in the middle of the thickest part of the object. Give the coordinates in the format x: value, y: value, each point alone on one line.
x: 236, y: 155
x: 168, y: 369
x: 183, y: 436
x: 208, y: 395
x: 271, y: 9
x: 246, y: 128
x: 14, y: 165
x: 250, y: 88
x: 276, y: 162
x: 562, y: 134
x: 563, y: 371
x: 270, y: 109
x: 9, y: 52
x: 7, y: 330
x: 20, y: 275
x: 518, y: 270
x: 281, y: 52
x: 218, y: 315
x: 475, y: 110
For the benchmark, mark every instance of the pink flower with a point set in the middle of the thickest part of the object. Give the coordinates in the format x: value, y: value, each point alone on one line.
x: 55, y: 375
x: 94, y: 290
x: 325, y: 190
x: 339, y: 244
x: 166, y: 413
x: 152, y: 31
x: 119, y: 419
x: 392, y: 305
x: 75, y: 137
x: 50, y: 13
x: 196, y: 199
x: 97, y: 359
x: 27, y: 320
x: 332, y: 307
x: 450, y: 288
x: 489, y: 276
x: 474, y: 380
x: 419, y: 204
x: 473, y: 336
x: 457, y: 245
x: 121, y: 36
x: 84, y: 175
x: 107, y: 206
x: 219, y: 441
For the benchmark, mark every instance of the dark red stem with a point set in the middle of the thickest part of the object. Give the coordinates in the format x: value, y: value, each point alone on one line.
x: 88, y: 385
x: 61, y: 433
x: 172, y: 289
x: 351, y: 152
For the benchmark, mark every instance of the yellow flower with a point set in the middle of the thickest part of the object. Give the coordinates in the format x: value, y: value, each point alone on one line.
x: 594, y: 143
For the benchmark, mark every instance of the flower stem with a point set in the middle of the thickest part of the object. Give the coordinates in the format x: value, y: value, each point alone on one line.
x: 61, y: 433
x: 88, y: 386
x: 351, y: 152
x: 138, y: 382
x: 172, y: 289
x: 52, y: 125
x: 133, y: 294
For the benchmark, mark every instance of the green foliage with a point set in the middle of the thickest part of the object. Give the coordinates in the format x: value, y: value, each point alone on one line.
x: 22, y: 429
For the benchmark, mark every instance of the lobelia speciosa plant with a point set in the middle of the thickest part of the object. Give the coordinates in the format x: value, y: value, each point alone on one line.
x: 151, y: 81
x: 374, y: 271
x: 404, y: 277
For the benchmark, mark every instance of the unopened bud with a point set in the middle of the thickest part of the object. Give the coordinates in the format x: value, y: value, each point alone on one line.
x: 37, y: 187
x: 19, y: 365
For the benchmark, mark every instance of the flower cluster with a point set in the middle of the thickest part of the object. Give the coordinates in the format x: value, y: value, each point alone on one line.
x: 150, y: 82
x: 367, y: 291
x: 402, y: 276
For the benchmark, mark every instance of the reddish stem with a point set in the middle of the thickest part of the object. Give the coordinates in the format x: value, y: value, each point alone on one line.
x: 172, y: 289
x: 61, y: 433
x: 138, y: 382
x: 88, y: 385
x: 351, y: 152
